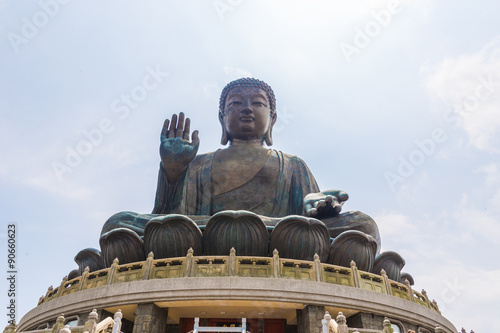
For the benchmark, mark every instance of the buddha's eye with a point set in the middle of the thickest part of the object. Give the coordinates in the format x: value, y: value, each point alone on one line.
x: 257, y: 103
x: 235, y: 103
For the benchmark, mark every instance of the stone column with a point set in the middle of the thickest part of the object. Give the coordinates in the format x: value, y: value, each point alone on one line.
x: 150, y: 318
x: 309, y: 319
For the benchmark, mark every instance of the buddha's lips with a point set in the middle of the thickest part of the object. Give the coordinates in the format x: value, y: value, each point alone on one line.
x: 247, y: 118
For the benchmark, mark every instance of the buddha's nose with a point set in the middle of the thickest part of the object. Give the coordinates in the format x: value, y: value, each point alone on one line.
x: 246, y: 108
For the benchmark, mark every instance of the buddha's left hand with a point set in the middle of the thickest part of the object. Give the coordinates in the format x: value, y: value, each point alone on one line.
x: 325, y: 204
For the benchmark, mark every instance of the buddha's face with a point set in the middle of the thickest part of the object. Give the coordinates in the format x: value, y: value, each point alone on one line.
x: 247, y: 114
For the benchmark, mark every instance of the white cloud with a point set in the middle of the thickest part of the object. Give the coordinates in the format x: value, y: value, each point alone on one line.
x: 469, y: 87
x: 492, y: 185
x: 458, y: 288
x: 455, y: 270
x: 233, y: 73
x: 345, y: 10
x: 481, y: 223
x: 48, y: 182
x: 212, y: 90
x: 392, y: 223
x: 495, y: 200
x: 492, y: 172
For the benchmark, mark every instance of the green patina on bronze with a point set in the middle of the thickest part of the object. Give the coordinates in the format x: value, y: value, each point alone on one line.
x: 244, y: 196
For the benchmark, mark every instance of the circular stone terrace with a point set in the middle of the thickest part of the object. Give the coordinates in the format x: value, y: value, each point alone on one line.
x: 259, y: 286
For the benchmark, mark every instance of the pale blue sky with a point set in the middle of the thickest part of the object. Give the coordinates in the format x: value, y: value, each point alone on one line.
x: 358, y: 109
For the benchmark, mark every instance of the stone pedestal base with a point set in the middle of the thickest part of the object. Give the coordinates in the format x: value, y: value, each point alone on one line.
x: 309, y: 319
x: 150, y: 319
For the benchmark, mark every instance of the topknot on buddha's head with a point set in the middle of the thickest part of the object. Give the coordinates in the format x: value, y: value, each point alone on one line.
x: 248, y: 82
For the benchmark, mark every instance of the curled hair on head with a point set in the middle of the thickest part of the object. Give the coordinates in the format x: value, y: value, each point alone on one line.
x: 248, y: 82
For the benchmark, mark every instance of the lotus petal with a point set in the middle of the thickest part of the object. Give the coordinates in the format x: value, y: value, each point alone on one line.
x: 121, y: 243
x: 391, y: 262
x: 353, y: 245
x: 73, y: 274
x: 299, y: 237
x: 407, y: 276
x: 89, y: 257
x: 171, y: 236
x: 243, y: 230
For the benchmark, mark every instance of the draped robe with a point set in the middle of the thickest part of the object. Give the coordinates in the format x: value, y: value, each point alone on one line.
x: 276, y: 190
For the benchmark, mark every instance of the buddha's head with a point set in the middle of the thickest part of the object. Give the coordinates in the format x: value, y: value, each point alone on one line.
x: 247, y: 111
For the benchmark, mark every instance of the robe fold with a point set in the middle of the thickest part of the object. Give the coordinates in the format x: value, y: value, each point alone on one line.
x: 192, y: 194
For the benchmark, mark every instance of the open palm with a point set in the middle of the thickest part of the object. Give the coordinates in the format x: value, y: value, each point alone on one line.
x: 176, y: 151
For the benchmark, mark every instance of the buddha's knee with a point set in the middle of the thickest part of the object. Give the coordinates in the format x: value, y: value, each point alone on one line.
x: 352, y: 220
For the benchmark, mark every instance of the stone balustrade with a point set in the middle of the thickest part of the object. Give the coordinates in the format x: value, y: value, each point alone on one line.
x: 232, y: 265
x: 92, y: 325
x: 339, y: 325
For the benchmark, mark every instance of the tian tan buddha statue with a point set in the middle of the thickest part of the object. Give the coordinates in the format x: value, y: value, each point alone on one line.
x: 244, y: 196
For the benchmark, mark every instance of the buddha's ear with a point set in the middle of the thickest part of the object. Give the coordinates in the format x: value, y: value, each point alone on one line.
x: 269, y: 133
x: 224, y: 138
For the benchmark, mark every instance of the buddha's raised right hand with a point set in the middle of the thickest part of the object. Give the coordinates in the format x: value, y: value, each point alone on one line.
x: 176, y: 151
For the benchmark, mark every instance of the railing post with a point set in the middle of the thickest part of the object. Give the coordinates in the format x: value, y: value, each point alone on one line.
x: 49, y: 290
x: 111, y: 271
x: 11, y: 328
x: 90, y: 325
x: 243, y: 325
x: 276, y: 264
x: 387, y: 284
x: 232, y: 262
x: 317, y: 268
x: 324, y: 328
x: 83, y: 278
x: 59, y: 324
x: 426, y: 298
x: 436, y: 305
x: 196, y: 324
x: 188, y: 271
x: 118, y: 322
x: 355, y: 275
x: 411, y: 296
x: 61, y: 286
x: 326, y: 321
x: 387, y: 326
x: 341, y: 322
x: 65, y: 329
x: 146, y: 269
